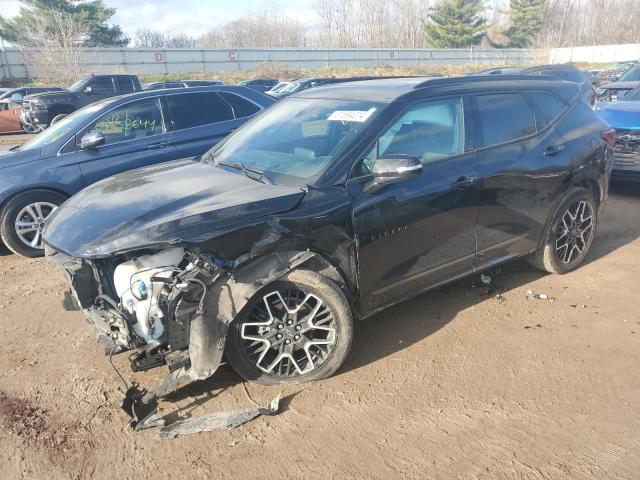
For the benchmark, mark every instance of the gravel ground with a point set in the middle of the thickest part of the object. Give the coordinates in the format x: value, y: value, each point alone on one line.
x: 456, y: 383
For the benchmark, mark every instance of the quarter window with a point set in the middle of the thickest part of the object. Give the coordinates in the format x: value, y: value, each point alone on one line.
x: 131, y: 121
x: 241, y: 107
x: 197, y: 109
x: 546, y: 107
x: 505, y: 117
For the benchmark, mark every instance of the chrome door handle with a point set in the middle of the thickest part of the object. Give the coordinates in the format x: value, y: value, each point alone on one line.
x: 464, y: 182
x: 156, y: 146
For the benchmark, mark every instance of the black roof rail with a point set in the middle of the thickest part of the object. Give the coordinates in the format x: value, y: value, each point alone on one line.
x: 436, y: 82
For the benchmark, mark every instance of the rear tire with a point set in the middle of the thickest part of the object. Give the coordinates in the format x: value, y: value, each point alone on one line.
x: 303, y: 324
x: 22, y: 220
x: 569, y: 235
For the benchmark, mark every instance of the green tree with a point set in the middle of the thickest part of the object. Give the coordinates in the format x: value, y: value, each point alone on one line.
x: 94, y: 15
x: 527, y: 17
x: 455, y: 24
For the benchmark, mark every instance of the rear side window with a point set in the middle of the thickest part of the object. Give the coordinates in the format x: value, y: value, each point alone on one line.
x: 125, y: 84
x: 504, y: 117
x: 196, y: 109
x: 547, y: 107
x: 241, y: 106
x: 102, y: 85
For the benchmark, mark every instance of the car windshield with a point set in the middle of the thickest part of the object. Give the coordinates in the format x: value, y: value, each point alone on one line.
x: 295, y: 141
x: 79, y: 85
x: 633, y: 95
x: 632, y: 75
x: 69, y: 124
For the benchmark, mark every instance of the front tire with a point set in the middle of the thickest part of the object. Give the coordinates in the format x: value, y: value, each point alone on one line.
x: 295, y: 330
x: 569, y: 235
x: 23, y: 218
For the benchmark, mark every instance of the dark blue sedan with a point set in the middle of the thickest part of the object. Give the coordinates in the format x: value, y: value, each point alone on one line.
x: 110, y: 137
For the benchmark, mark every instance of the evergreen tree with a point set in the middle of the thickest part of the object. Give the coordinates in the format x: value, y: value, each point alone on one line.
x: 527, y: 17
x: 94, y: 14
x: 455, y: 24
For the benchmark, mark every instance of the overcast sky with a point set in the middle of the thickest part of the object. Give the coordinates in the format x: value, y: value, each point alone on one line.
x: 193, y: 17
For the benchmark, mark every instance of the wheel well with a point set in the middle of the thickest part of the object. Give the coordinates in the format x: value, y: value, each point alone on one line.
x: 591, y: 185
x: 46, y: 189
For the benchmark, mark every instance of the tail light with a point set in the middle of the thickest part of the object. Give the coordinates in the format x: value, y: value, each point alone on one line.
x: 609, y: 136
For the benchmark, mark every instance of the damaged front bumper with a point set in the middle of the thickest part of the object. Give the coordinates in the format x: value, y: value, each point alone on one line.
x: 195, y: 303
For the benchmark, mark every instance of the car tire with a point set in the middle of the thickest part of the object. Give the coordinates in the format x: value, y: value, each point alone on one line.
x: 569, y: 235
x: 315, y: 331
x: 57, y: 118
x: 32, y: 209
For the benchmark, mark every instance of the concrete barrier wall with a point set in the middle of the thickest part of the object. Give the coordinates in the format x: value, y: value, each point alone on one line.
x: 596, y: 54
x: 158, y: 61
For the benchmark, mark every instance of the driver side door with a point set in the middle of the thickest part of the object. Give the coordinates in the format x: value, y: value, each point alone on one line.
x: 419, y: 232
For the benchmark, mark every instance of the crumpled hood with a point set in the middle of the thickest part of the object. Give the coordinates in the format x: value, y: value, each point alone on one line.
x: 620, y: 115
x: 177, y: 201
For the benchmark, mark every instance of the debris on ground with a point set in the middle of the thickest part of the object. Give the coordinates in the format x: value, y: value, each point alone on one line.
x: 527, y: 327
x: 218, y: 420
x: 540, y: 296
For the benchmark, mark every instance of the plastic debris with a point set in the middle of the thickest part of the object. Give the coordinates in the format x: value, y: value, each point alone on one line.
x: 218, y: 420
x: 486, y: 279
x: 540, y: 296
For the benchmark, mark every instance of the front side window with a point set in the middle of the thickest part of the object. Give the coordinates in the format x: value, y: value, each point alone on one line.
x: 102, y: 86
x: 131, y: 121
x: 428, y: 131
x: 196, y: 109
x: 504, y: 117
x: 296, y: 140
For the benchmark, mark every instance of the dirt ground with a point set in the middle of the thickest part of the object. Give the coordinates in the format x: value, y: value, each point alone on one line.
x: 453, y: 384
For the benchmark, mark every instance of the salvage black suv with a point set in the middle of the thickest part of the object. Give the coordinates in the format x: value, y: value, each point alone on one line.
x: 329, y: 207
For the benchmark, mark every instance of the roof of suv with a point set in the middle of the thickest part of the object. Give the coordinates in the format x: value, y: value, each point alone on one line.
x: 389, y: 89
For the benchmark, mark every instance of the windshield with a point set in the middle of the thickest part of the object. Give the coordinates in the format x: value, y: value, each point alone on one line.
x: 294, y: 141
x: 69, y: 124
x: 632, y: 75
x: 633, y: 95
x: 79, y: 85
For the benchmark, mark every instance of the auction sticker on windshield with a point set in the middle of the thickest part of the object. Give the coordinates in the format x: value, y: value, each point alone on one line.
x: 351, y: 115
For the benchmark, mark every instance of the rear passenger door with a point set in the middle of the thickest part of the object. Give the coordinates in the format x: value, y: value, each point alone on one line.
x: 522, y: 163
x: 135, y: 136
x: 199, y: 120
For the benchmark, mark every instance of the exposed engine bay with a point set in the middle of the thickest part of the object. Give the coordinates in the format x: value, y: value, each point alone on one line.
x: 171, y: 307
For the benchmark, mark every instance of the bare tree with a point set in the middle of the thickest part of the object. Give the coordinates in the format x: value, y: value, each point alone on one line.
x: 52, y: 47
x: 149, y: 38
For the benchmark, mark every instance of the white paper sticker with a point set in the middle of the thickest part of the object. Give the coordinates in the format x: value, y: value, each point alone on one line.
x: 359, y: 116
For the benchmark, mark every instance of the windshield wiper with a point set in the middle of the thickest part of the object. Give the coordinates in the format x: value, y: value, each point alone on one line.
x: 248, y: 171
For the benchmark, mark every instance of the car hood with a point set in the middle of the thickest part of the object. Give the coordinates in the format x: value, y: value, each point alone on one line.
x: 10, y: 157
x: 620, y: 115
x: 56, y: 95
x: 621, y: 85
x: 182, y: 201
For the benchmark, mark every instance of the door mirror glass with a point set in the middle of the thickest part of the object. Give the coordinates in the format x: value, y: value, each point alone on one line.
x: 92, y: 140
x: 88, y: 90
x: 391, y: 169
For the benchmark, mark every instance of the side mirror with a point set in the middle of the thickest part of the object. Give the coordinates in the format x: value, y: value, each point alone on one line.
x: 88, y: 90
x: 92, y: 140
x: 392, y: 169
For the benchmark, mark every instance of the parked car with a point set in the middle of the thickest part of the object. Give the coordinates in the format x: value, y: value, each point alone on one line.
x: 612, y: 92
x: 299, y: 85
x: 106, y: 138
x: 569, y: 74
x: 624, y: 117
x: 45, y: 109
x: 260, y: 84
x: 180, y: 84
x: 332, y: 205
x: 11, y: 108
x: 498, y: 71
x: 278, y: 87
